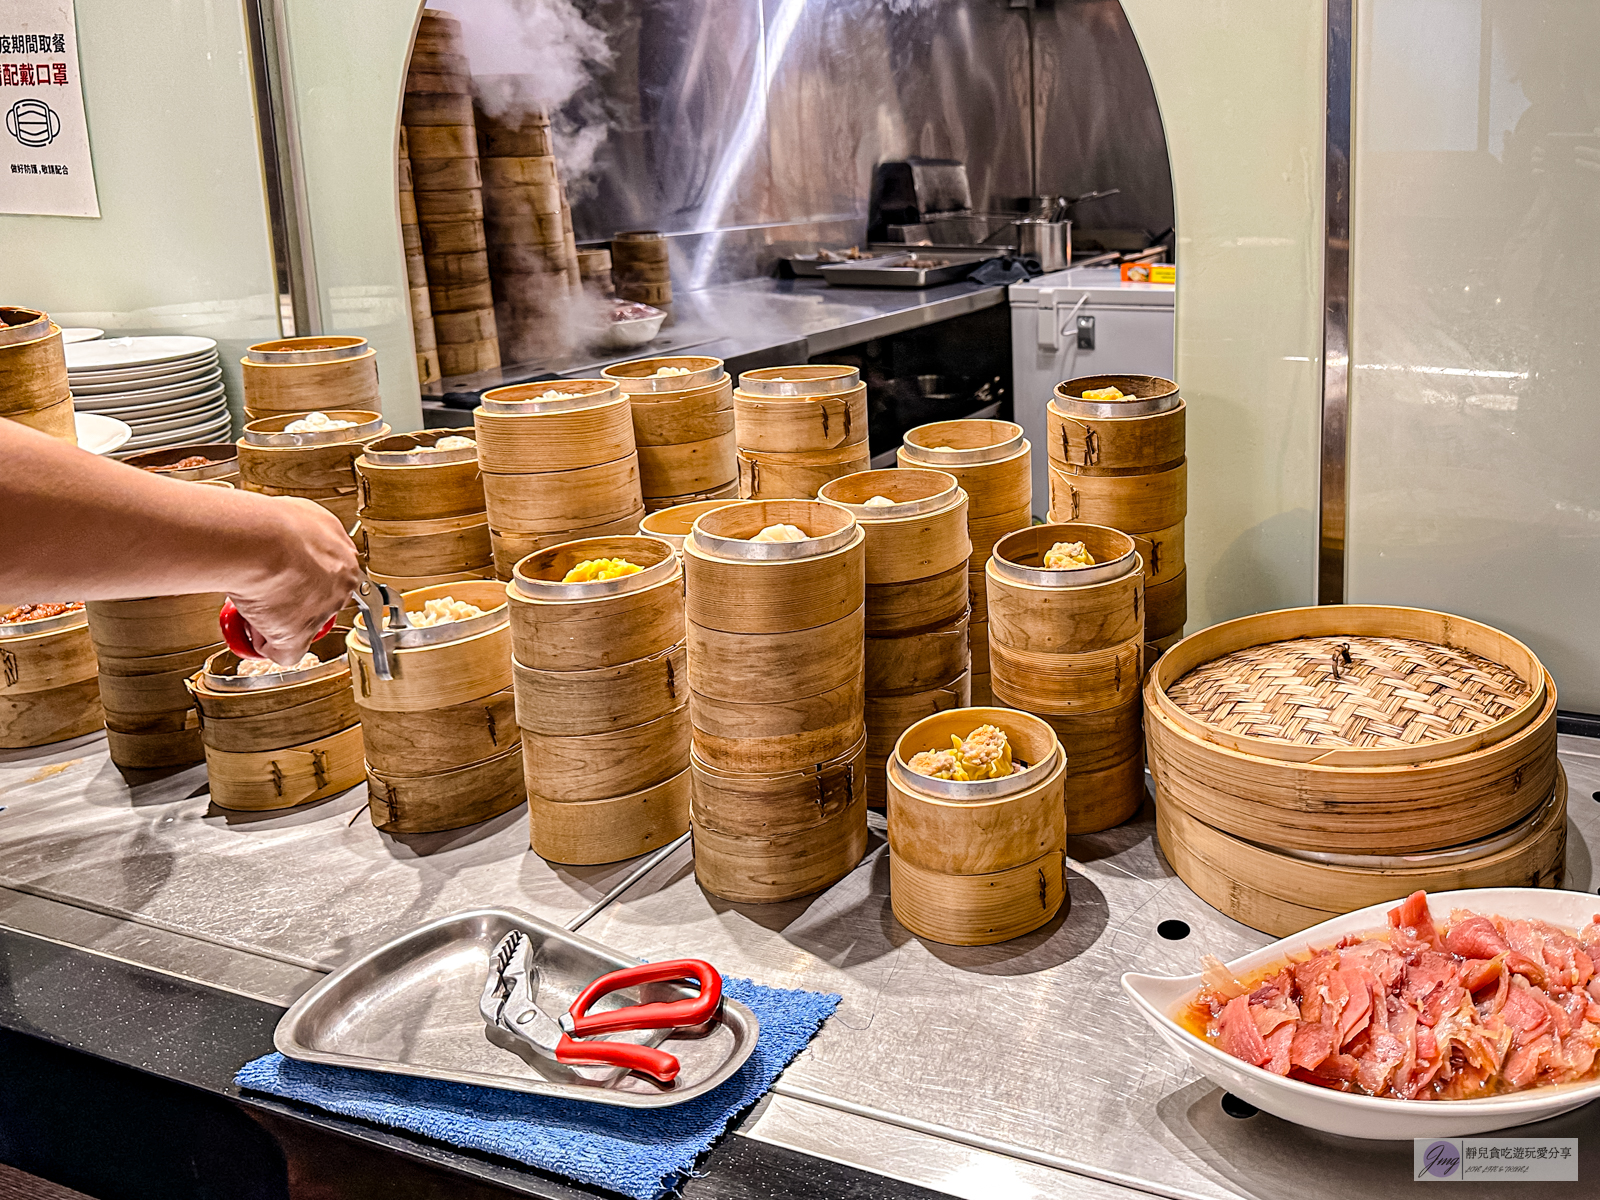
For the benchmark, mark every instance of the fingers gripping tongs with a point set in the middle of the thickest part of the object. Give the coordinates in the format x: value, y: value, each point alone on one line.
x: 383, y: 621
x: 510, y: 1003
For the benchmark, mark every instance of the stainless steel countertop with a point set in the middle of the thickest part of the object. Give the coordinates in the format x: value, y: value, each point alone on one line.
x: 1016, y: 1069
x: 760, y: 317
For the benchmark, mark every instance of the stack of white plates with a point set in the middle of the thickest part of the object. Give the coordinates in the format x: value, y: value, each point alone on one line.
x: 167, y: 389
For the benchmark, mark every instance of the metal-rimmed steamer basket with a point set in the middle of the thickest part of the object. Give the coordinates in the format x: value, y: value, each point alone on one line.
x: 223, y: 464
x: 973, y: 863
x: 410, y: 637
x: 987, y: 441
x: 34, y: 386
x: 50, y: 688
x: 739, y: 549
x: 673, y: 525
x: 317, y: 466
x: 683, y: 427
x: 601, y: 678
x: 56, y: 624
x: 638, y: 378
x: 315, y: 349
x: 220, y: 673
x: 422, y: 510
x: 417, y: 449
x: 1028, y: 547
x: 527, y: 399
x: 18, y: 325
x: 799, y: 383
x: 799, y: 410
x: 1145, y: 395
x: 309, y: 374
x: 272, y: 431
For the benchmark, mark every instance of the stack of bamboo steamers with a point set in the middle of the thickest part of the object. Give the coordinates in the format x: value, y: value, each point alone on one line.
x: 602, y: 691
x: 316, y: 465
x: 294, y: 376
x: 799, y: 427
x: 683, y: 425
x: 49, y: 681
x: 33, y: 373
x: 421, y: 510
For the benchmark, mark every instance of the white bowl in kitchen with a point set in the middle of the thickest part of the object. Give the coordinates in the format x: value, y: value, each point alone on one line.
x: 1348, y: 1114
x: 624, y: 335
x: 100, y: 435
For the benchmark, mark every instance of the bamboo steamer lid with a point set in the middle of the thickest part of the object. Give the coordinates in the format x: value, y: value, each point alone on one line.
x: 1034, y: 609
x: 917, y: 661
x: 154, y: 626
x: 553, y: 502
x: 588, y: 423
x: 53, y: 715
x: 1142, y: 433
x: 309, y: 374
x: 33, y: 364
x: 266, y: 713
x: 766, y: 870
x: 655, y: 504
x: 310, y: 464
x: 989, y: 459
x: 287, y: 777
x: 511, y: 547
x: 922, y: 534
x: 767, y: 668
x: 42, y: 655
x: 574, y: 703
x: 778, y: 803
x: 918, y: 604
x: 1281, y: 894
x: 410, y: 549
x: 401, y: 744
x: 688, y: 468
x: 450, y: 663
x: 977, y: 910
x: 782, y: 736
x: 1133, y: 503
x: 600, y: 766
x: 889, y: 714
x: 672, y: 524
x: 765, y: 475
x: 559, y: 626
x: 586, y: 832
x: 739, y: 586
x: 449, y: 799
x: 783, y: 410
x: 977, y: 828
x: 403, y: 478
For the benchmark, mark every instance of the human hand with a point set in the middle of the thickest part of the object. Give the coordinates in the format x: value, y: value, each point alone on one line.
x: 309, y: 571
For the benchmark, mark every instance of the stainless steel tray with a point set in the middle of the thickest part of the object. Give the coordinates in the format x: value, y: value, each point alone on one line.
x: 807, y: 265
x: 410, y: 1007
x: 891, y: 271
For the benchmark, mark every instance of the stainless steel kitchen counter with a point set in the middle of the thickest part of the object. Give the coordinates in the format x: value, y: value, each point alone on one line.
x: 1009, y: 1070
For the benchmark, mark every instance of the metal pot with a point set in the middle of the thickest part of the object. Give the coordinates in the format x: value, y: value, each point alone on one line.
x: 1048, y: 241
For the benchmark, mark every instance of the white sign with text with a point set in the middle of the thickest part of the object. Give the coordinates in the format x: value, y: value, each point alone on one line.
x: 45, y: 166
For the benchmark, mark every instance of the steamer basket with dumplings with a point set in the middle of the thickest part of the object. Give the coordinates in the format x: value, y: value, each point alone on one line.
x: 1311, y: 761
x: 683, y: 425
x: 421, y: 511
x: 309, y: 374
x: 49, y: 680
x: 316, y: 465
x: 799, y: 427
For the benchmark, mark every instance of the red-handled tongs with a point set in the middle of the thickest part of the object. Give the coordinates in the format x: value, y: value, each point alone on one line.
x: 384, y: 617
x: 510, y: 1003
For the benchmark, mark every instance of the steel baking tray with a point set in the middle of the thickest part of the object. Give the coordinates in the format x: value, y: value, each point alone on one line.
x: 410, y: 1007
x: 810, y: 265
x: 892, y: 271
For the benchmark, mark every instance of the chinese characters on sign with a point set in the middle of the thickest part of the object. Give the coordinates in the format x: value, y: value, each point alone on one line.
x: 45, y: 164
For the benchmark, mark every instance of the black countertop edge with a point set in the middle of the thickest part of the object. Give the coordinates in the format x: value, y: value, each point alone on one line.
x: 118, y: 1081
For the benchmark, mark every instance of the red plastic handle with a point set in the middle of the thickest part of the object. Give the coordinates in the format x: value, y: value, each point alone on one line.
x: 644, y: 1059
x: 240, y: 638
x: 669, y: 1014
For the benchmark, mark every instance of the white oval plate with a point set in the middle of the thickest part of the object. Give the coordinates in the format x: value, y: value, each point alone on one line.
x: 180, y: 437
x: 153, y: 376
x: 110, y: 354
x: 207, y: 414
x: 100, y: 435
x: 80, y: 333
x: 200, y: 385
x: 191, y: 408
x: 188, y: 376
x: 1156, y: 996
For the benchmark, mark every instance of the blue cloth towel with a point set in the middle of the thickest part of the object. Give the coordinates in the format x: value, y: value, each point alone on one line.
x: 640, y: 1152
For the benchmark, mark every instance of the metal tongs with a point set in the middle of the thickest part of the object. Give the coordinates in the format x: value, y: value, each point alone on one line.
x: 382, y: 634
x: 510, y: 1004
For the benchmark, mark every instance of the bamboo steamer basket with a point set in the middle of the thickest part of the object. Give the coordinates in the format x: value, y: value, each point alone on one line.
x: 450, y: 545
x: 1281, y: 894
x: 1132, y: 503
x: 263, y: 714
x: 1137, y: 435
x: 402, y: 478
x: 420, y: 108
x: 49, y: 686
x: 978, y: 910
x: 991, y: 460
x: 411, y: 583
x: 310, y: 374
x: 918, y: 604
x: 155, y: 750
x: 223, y: 466
x: 314, y: 465
x: 452, y: 663
x: 914, y: 662
x: 575, y: 703
x: 768, y: 668
x: 799, y: 476
x: 889, y: 714
x: 1166, y: 607
x: 1162, y: 552
x: 447, y: 799
x: 787, y: 410
x: 738, y: 586
x: 1455, y: 763
x: 33, y: 367
x: 519, y: 432
x: 541, y: 502
x: 558, y: 627
x: 669, y: 409
x: 767, y: 870
x: 782, y: 736
x: 511, y: 547
x: 600, y: 766
x: 949, y: 827
x: 402, y: 744
x: 779, y: 803
x: 672, y: 524
x: 655, y: 504
x: 921, y: 535
x: 146, y: 694
x: 585, y: 832
x: 285, y: 778
x: 158, y: 625
x: 56, y: 420
x: 688, y: 468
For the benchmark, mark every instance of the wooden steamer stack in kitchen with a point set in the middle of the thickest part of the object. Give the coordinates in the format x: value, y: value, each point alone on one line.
x: 1067, y: 645
x: 280, y: 739
x: 421, y: 511
x: 799, y: 427
x: 976, y: 862
x: 776, y: 687
x: 992, y: 461
x: 147, y: 649
x: 49, y: 681
x: 602, y: 693
x: 317, y: 465
x: 917, y: 660
x: 558, y: 468
x: 448, y: 184
x: 294, y: 376
x: 1122, y: 463
x: 683, y: 427
x: 1313, y: 761
x: 442, y: 745
x: 422, y: 330
x: 641, y: 268
x: 33, y: 374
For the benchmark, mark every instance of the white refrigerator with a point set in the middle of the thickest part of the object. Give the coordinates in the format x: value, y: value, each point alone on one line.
x: 1082, y: 321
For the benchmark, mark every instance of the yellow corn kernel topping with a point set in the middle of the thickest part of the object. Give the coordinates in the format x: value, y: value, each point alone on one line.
x: 1067, y: 556
x: 597, y: 570
x: 1106, y: 393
